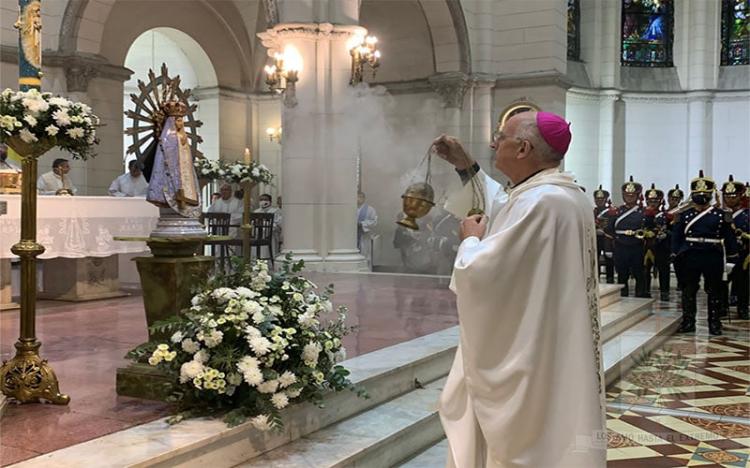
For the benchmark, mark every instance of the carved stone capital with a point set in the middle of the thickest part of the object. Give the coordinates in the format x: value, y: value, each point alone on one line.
x: 451, y: 87
x: 78, y: 75
x: 271, y: 9
x: 274, y: 38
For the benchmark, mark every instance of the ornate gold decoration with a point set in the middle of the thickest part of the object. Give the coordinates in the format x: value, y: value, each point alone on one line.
x: 417, y: 201
x: 10, y: 182
x: 29, y: 26
x: 720, y: 456
x: 160, y: 96
x: 27, y: 377
x: 630, y: 188
x: 517, y: 108
x: 701, y: 186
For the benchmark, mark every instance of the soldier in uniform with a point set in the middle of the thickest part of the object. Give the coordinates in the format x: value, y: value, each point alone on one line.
x: 626, y: 226
x: 674, y: 209
x: 659, y: 260
x: 697, y: 239
x: 602, y: 211
x: 732, y: 194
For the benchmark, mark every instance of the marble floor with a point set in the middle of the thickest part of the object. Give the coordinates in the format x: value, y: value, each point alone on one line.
x: 86, y: 342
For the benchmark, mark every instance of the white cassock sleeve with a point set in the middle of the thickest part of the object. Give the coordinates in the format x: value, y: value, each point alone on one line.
x: 461, y: 201
x: 115, y: 188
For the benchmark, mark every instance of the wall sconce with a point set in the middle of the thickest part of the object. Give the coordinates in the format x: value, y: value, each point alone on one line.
x: 364, y: 51
x: 274, y: 134
x: 284, y: 73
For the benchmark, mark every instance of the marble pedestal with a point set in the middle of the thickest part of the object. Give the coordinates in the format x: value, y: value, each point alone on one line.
x: 6, y: 289
x: 167, y: 279
x: 81, y: 279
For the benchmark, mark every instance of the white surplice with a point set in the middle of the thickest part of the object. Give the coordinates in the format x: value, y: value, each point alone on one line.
x: 49, y: 183
x: 128, y: 186
x: 525, y: 388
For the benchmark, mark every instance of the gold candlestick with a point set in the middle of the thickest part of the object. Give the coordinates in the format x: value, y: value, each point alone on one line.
x: 27, y: 377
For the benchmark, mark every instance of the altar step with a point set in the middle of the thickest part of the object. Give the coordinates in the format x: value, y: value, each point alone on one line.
x: 398, y: 421
x: 383, y: 436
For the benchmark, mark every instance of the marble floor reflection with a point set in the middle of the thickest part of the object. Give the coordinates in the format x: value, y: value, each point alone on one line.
x: 86, y: 342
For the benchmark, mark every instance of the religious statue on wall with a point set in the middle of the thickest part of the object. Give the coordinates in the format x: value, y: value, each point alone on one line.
x: 29, y: 25
x: 165, y: 143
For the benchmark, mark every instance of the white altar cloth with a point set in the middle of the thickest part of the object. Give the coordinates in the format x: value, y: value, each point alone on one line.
x: 78, y: 227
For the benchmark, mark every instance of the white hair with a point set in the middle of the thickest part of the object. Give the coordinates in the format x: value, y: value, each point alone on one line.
x: 528, y: 130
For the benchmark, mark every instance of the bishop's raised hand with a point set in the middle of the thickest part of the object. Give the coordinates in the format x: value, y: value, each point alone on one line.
x: 451, y: 150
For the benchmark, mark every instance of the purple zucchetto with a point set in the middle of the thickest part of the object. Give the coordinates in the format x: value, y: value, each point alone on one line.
x: 555, y: 131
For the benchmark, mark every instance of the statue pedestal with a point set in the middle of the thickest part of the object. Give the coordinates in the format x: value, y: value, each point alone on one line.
x: 167, y: 279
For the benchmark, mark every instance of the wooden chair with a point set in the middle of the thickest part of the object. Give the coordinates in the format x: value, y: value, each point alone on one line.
x: 262, y: 234
x: 217, y: 224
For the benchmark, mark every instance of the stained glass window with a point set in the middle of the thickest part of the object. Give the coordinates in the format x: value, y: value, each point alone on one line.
x: 574, y: 26
x: 647, y: 33
x: 735, y: 32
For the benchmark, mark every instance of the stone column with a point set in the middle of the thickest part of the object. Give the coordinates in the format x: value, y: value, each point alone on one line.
x: 606, y: 162
x: 319, y: 147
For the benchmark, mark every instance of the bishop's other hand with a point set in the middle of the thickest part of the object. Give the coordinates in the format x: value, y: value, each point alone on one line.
x: 451, y: 150
x: 474, y: 226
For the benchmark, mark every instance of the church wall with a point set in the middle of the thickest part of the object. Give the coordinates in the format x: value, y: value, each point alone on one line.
x: 583, y: 154
x: 407, y: 50
x: 656, y: 141
x: 268, y: 114
x: 731, y: 142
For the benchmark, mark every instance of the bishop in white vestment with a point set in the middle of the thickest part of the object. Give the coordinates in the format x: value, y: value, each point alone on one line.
x: 526, y: 385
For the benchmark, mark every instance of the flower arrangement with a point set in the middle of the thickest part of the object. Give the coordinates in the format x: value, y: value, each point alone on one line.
x: 39, y: 121
x: 252, y: 343
x: 236, y: 172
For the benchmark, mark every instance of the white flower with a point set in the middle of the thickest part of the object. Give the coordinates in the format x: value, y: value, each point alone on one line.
x: 253, y: 377
x: 260, y: 345
x: 287, y: 378
x: 234, y: 379
x: 279, y: 400
x: 245, y: 293
x: 51, y: 130
x: 27, y: 136
x: 310, y: 353
x: 75, y: 132
x: 252, y: 332
x: 327, y: 306
x: 59, y: 102
x: 30, y: 120
x: 197, y: 300
x: 153, y: 360
x: 190, y: 346
x: 275, y: 310
x: 297, y: 297
x: 247, y: 363
x: 91, y: 138
x: 35, y: 104
x: 61, y: 117
x: 294, y: 393
x: 268, y: 387
x: 177, y: 337
x: 213, y: 339
x: 201, y: 356
x: 222, y: 295
x: 339, y: 355
x: 307, y: 319
x: 251, y: 307
x: 258, y: 318
x: 8, y: 122
x: 261, y: 422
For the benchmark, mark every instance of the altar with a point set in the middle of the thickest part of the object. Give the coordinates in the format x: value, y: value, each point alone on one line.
x: 81, y: 257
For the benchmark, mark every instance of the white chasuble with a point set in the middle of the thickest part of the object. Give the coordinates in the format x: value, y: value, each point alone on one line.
x: 525, y: 388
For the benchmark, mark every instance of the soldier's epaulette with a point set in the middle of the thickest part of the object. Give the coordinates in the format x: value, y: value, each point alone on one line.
x: 684, y: 208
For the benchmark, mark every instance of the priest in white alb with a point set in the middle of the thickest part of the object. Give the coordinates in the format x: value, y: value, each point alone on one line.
x: 130, y: 184
x: 526, y: 385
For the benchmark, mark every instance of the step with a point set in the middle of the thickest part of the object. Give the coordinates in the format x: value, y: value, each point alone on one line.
x: 433, y: 457
x: 608, y: 294
x: 623, y: 314
x: 386, y: 374
x: 628, y: 348
x: 382, y: 436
